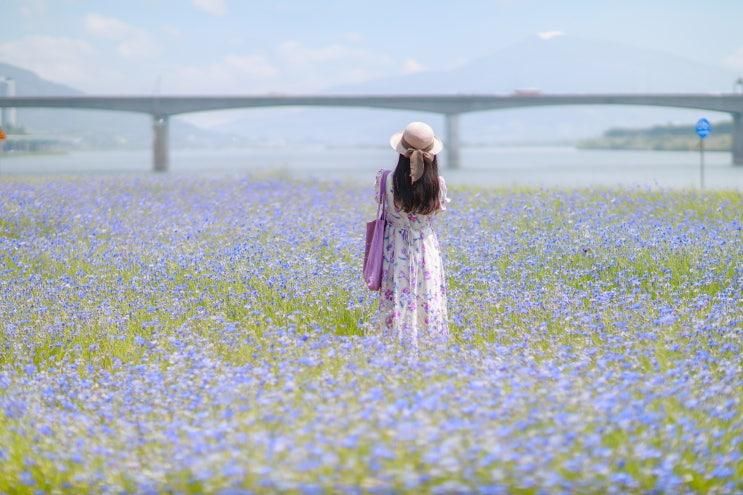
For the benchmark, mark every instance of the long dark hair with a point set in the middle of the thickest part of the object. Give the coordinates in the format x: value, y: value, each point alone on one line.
x: 422, y: 197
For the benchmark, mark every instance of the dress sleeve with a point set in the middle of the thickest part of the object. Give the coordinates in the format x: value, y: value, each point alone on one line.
x: 376, y: 185
x: 443, y: 198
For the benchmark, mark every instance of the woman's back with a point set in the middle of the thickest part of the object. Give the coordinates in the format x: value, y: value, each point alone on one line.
x: 397, y: 216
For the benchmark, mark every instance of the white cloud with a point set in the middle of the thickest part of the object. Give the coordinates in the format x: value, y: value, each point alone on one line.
x: 289, y: 67
x: 735, y: 60
x: 353, y: 37
x: 548, y: 35
x: 252, y: 65
x: 332, y: 64
x: 107, y: 27
x: 59, y: 59
x: 411, y: 66
x: 131, y: 41
x: 33, y: 8
x: 211, y: 7
x: 171, y: 31
x: 232, y: 74
x: 296, y: 53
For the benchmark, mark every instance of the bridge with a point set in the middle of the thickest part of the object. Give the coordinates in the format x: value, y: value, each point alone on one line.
x: 161, y: 108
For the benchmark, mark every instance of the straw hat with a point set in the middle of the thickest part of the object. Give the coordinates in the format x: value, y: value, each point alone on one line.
x: 417, y: 135
x: 418, y: 142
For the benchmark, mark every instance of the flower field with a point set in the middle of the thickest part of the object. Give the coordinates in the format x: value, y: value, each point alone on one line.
x: 210, y: 334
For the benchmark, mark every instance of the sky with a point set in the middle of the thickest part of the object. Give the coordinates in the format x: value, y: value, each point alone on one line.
x: 293, y: 46
x: 231, y: 46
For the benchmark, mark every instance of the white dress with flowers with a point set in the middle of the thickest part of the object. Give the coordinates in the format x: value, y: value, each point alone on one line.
x: 412, y: 297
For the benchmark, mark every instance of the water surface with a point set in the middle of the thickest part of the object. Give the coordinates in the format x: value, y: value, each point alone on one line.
x: 501, y: 166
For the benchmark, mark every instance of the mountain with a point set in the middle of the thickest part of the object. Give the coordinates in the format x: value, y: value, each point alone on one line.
x: 92, y: 127
x: 561, y: 64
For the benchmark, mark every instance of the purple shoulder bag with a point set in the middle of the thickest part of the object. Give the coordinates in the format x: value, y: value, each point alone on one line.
x: 374, y: 251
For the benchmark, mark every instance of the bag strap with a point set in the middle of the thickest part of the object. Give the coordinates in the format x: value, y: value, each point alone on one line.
x: 382, y: 195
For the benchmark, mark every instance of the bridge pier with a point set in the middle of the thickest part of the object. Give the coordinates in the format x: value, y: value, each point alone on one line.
x: 737, y: 138
x: 160, y: 152
x: 452, y: 140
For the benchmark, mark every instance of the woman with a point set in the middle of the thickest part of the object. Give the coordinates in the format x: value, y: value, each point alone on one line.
x: 412, y: 297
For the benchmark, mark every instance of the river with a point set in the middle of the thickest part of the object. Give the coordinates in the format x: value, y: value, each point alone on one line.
x: 495, y: 166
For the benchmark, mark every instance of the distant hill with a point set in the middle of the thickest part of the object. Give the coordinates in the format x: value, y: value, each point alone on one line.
x: 663, y: 137
x: 563, y: 64
x: 96, y: 128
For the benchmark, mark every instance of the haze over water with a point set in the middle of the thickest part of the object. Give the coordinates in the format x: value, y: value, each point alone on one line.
x: 494, y: 166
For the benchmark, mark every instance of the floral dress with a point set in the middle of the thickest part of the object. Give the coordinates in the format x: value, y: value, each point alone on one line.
x: 412, y: 297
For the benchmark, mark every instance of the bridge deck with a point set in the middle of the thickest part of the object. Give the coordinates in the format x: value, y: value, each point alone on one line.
x: 451, y: 105
x: 442, y: 103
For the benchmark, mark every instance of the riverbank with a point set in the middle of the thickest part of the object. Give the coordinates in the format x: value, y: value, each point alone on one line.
x: 661, y: 138
x: 22, y: 154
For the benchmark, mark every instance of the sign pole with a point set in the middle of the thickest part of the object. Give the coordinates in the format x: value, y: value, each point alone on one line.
x: 701, y: 163
x: 703, y: 129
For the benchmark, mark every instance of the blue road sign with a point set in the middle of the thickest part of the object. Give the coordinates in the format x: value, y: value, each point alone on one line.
x: 703, y: 128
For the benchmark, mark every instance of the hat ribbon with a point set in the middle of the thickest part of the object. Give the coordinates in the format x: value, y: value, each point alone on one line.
x: 418, y: 158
